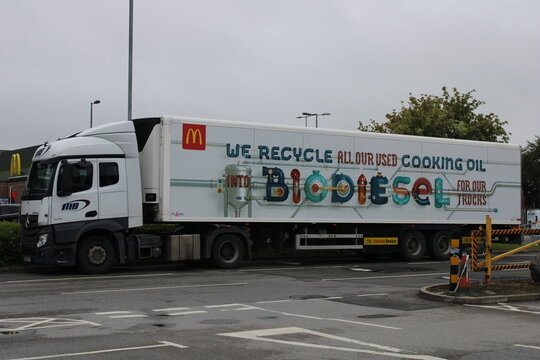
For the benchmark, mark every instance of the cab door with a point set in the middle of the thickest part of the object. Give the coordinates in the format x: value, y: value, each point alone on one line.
x: 113, y: 201
x: 75, y: 196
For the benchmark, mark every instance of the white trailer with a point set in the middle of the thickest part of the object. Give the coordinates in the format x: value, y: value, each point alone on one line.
x: 230, y: 185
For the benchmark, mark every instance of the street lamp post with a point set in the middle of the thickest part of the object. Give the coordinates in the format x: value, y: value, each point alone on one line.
x: 130, y: 60
x: 303, y: 117
x: 316, y: 117
x: 95, y: 102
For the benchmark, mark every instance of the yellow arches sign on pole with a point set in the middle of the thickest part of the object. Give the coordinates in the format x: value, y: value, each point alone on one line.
x: 15, y: 167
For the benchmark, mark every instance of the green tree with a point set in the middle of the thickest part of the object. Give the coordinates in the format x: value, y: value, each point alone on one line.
x: 530, y: 170
x: 448, y: 116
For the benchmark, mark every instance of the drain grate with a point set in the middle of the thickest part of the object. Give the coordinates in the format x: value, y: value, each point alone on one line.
x: 376, y: 316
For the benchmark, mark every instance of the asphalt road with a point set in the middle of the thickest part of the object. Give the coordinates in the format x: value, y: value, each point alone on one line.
x: 339, y: 308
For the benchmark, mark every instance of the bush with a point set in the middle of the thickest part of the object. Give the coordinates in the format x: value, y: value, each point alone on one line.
x: 10, y: 243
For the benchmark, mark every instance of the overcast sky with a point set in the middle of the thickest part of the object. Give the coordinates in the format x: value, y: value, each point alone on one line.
x: 261, y: 61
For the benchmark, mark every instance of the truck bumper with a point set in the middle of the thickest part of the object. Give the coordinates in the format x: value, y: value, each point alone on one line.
x: 37, y: 250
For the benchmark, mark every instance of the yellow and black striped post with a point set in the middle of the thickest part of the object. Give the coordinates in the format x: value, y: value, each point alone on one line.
x: 488, y: 249
x: 455, y: 244
x: 474, y: 249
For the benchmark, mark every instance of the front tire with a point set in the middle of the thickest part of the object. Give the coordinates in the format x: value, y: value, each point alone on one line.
x: 228, y: 252
x: 96, y: 255
x: 413, y: 245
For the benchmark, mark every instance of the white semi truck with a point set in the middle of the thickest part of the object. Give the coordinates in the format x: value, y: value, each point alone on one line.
x: 228, y: 186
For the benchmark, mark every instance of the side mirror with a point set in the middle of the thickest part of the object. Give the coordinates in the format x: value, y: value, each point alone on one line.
x: 65, y: 186
x: 83, y: 164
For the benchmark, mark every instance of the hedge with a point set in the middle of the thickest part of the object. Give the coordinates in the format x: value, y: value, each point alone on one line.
x: 10, y: 243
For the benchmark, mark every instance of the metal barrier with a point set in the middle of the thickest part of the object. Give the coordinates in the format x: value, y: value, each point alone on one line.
x: 488, y: 233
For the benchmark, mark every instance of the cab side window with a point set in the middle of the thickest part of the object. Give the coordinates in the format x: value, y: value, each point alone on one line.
x: 108, y: 174
x: 73, y: 178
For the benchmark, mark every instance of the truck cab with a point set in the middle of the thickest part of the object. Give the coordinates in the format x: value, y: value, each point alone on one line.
x: 76, y: 204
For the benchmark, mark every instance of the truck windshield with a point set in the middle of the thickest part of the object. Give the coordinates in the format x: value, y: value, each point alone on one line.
x: 39, y: 180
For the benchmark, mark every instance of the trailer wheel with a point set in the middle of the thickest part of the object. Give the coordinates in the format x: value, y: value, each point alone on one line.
x: 95, y: 255
x: 228, y: 251
x: 440, y: 245
x: 413, y: 245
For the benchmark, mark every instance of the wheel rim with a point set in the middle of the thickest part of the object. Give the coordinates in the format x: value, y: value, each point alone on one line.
x: 97, y: 255
x: 413, y: 246
x: 228, y: 252
x: 442, y: 244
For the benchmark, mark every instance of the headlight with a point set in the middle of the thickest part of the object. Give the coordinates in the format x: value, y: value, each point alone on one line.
x: 42, y: 240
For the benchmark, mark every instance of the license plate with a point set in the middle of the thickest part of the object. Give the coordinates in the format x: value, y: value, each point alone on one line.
x: 26, y: 259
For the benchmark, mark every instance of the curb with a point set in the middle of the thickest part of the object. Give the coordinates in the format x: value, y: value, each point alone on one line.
x: 474, y: 300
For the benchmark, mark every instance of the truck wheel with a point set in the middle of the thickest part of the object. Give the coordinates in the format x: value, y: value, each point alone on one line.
x: 440, y: 245
x: 228, y: 251
x: 95, y: 255
x: 413, y: 245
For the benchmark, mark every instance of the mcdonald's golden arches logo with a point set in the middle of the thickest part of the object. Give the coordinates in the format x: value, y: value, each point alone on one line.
x: 15, y: 166
x: 193, y: 137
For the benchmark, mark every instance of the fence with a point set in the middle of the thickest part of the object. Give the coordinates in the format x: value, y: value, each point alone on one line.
x: 488, y: 234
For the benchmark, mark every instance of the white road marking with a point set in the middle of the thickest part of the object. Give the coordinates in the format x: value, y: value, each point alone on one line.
x: 221, y: 306
x: 504, y: 307
x: 113, y: 312
x: 188, y: 313
x: 272, y: 301
x: 173, y: 344
x: 329, y: 319
x: 528, y: 346
x: 326, y: 298
x: 380, y: 294
x: 238, y: 307
x: 383, y: 277
x: 161, y: 344
x: 121, y: 314
x: 152, y: 288
x: 42, y: 323
x: 295, y: 268
x: 34, y: 324
x: 509, y: 307
x: 265, y: 335
x: 172, y: 309
x: 361, y: 269
x: 244, y: 307
x: 85, y: 278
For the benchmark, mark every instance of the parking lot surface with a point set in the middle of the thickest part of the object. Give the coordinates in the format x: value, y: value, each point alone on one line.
x: 334, y: 308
